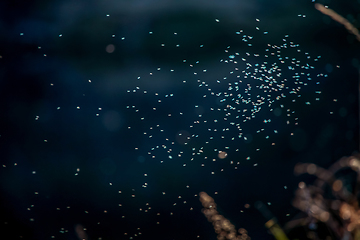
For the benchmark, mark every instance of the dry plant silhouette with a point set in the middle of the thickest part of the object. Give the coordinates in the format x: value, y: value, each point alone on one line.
x: 340, y: 19
x: 225, y: 230
x: 328, y: 200
x: 223, y: 227
x: 337, y: 208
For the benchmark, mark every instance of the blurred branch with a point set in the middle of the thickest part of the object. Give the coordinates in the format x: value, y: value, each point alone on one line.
x: 80, y: 232
x: 342, y: 214
x: 222, y: 226
x: 340, y: 19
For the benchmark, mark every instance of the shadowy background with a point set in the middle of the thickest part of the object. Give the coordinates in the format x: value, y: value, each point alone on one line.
x: 62, y: 165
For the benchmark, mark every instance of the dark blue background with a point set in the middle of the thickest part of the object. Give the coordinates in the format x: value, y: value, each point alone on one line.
x: 103, y: 147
